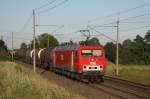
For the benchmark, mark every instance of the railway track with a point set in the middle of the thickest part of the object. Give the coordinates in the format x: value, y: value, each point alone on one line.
x: 123, y: 89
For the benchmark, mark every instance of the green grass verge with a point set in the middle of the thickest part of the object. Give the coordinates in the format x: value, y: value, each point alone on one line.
x: 4, y: 56
x: 19, y: 82
x: 136, y: 73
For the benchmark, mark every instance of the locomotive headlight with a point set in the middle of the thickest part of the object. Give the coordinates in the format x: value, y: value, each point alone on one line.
x: 101, y: 67
x: 92, y: 67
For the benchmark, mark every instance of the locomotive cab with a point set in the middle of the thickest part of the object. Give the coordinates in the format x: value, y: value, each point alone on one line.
x: 92, y: 61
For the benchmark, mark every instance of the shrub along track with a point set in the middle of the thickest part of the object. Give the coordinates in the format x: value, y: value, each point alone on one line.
x: 107, y: 90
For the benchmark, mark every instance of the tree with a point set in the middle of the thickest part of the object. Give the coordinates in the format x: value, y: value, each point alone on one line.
x: 23, y: 46
x: 127, y: 54
x: 147, y: 37
x: 93, y: 41
x: 139, y: 40
x: 110, y: 51
x: 71, y: 42
x: 36, y: 44
x: 4, y: 55
x: 46, y: 40
x: 127, y: 43
x: 147, y: 47
x: 2, y: 45
x: 139, y: 50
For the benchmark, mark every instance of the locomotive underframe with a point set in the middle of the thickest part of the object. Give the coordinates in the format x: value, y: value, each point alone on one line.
x: 88, y: 76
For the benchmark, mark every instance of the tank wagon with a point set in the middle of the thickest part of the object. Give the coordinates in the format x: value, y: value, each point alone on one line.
x: 82, y: 62
x: 44, y: 58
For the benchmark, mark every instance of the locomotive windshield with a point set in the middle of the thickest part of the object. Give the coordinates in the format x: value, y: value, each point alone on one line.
x: 91, y: 53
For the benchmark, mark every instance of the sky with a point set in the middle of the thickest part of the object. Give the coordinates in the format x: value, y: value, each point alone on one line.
x: 65, y: 20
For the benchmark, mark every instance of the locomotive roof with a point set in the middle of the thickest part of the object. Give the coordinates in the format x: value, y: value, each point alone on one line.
x: 67, y: 47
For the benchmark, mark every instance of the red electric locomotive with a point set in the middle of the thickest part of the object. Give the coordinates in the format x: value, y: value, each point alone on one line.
x: 80, y: 61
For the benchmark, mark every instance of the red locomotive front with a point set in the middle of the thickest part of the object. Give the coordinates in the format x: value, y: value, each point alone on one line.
x: 92, y: 61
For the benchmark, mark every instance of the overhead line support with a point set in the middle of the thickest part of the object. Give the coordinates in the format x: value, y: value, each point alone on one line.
x: 34, y: 51
x: 12, y: 46
x: 117, y: 49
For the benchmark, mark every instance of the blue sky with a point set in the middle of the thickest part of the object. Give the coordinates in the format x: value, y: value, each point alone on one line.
x: 74, y: 15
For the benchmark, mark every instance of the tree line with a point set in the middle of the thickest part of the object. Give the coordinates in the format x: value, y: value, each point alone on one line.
x: 136, y: 51
x: 42, y: 41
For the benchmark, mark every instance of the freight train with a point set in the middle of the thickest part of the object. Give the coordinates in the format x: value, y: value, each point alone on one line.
x: 83, y: 62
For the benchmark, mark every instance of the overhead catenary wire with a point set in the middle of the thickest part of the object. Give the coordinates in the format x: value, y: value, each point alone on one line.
x: 51, y: 8
x: 45, y: 5
x: 50, y: 25
x: 136, y: 28
x: 30, y: 17
x: 135, y: 16
x: 121, y: 20
x: 26, y: 24
x: 103, y: 34
x: 120, y: 12
x: 20, y: 38
x: 58, y: 28
x: 136, y: 22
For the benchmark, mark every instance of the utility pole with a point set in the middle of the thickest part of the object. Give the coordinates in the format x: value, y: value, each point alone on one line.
x: 48, y: 41
x: 34, y: 53
x: 117, y: 49
x: 12, y: 47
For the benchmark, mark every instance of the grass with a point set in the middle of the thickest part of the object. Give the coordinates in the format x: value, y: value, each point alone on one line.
x: 136, y: 73
x: 19, y: 82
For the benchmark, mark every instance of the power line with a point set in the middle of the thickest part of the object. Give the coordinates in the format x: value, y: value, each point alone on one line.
x: 50, y: 25
x: 58, y: 28
x: 124, y: 11
x: 136, y: 28
x: 57, y: 5
x: 21, y: 38
x: 103, y: 34
x: 30, y: 17
x: 123, y: 19
x: 135, y: 16
x: 47, y: 4
x: 137, y: 22
x: 24, y: 32
x: 26, y: 23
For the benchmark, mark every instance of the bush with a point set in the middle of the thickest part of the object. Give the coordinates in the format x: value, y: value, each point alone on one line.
x: 4, y: 55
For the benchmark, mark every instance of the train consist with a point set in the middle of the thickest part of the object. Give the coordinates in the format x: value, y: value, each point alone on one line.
x: 82, y: 62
